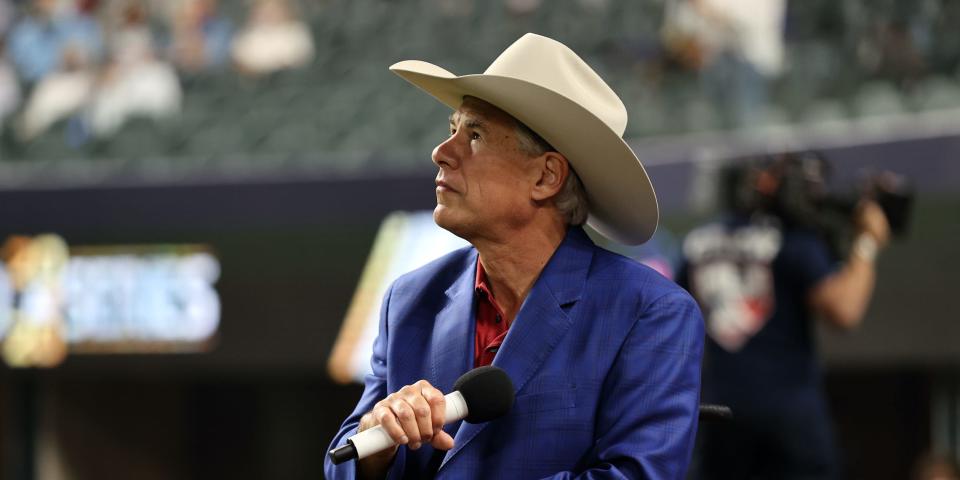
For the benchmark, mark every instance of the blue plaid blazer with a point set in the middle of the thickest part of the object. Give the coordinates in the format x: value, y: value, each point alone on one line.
x: 604, y: 353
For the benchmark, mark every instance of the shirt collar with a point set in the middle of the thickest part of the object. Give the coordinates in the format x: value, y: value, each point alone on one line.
x: 480, y: 285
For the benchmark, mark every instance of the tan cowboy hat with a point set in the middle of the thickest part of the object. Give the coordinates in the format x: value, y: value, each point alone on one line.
x: 542, y: 83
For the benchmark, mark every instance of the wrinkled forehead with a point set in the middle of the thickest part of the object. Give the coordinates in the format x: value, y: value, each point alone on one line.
x: 479, y: 110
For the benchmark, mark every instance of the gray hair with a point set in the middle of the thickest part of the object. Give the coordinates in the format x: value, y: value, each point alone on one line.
x: 571, y: 201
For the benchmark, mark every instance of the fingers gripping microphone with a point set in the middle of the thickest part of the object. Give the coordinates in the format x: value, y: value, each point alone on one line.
x: 480, y: 395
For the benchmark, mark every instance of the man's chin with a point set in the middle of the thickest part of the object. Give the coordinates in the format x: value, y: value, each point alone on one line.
x: 443, y: 217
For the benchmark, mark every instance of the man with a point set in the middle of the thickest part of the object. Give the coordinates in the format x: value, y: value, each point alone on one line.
x: 603, y: 352
x: 763, y: 276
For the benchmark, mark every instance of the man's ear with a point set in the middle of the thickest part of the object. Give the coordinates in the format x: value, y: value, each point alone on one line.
x: 553, y: 172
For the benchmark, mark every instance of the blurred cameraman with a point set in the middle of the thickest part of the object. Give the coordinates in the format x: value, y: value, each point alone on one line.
x: 785, y: 254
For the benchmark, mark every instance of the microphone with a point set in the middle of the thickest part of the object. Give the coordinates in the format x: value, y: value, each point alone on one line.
x: 480, y: 395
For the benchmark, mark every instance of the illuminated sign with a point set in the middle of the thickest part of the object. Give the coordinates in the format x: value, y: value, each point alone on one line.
x: 405, y: 241
x: 118, y: 299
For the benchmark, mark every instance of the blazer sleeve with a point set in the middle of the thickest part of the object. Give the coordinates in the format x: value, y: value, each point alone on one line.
x: 647, y: 418
x: 375, y: 389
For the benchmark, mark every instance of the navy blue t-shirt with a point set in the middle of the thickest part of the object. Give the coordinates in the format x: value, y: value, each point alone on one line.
x: 780, y: 357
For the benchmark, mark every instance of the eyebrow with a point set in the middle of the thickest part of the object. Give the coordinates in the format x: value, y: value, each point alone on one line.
x: 472, y: 122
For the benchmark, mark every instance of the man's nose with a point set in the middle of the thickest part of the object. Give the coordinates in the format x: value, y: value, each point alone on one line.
x: 446, y: 153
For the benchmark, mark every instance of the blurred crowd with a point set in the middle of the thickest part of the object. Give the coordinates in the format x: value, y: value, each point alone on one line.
x: 95, y: 64
x: 763, y: 62
x: 287, y: 78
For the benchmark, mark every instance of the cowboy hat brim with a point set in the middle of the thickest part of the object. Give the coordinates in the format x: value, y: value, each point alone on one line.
x: 622, y: 202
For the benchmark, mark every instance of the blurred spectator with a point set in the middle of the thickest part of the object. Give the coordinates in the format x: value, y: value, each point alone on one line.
x: 763, y: 276
x: 896, y: 57
x: 58, y: 95
x: 523, y: 7
x: 9, y: 87
x: 201, y: 36
x: 135, y: 83
x: 933, y: 467
x: 273, y: 39
x: 39, y: 40
x: 736, y: 46
x: 6, y: 16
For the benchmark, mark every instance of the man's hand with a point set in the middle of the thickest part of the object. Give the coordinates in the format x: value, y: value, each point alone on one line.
x: 872, y: 221
x: 411, y: 416
x: 842, y: 297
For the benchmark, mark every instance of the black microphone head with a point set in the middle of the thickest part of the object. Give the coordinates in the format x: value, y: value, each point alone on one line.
x: 488, y: 392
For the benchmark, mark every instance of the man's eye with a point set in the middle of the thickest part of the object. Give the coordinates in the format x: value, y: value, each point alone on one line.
x: 474, y: 136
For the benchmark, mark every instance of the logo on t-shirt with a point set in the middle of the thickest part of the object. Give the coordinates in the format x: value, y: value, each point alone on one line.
x: 730, y: 275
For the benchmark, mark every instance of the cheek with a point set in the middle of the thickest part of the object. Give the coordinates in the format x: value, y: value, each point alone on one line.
x: 494, y: 186
x: 495, y: 181
x: 503, y: 198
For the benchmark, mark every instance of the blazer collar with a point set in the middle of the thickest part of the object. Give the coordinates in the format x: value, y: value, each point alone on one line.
x: 566, y: 272
x: 454, y: 327
x: 539, y: 326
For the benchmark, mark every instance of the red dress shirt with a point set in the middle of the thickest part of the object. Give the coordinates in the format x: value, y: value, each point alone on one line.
x: 491, y: 327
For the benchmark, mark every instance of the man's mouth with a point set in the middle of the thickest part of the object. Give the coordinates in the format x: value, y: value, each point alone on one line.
x: 443, y: 186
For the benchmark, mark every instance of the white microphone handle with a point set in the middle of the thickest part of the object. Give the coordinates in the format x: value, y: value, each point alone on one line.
x: 376, y: 439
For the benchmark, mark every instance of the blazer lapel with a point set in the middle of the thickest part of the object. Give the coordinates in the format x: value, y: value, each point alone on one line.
x: 540, y: 324
x: 453, y: 331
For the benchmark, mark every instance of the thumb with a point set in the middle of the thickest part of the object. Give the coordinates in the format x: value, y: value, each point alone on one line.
x: 442, y: 441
